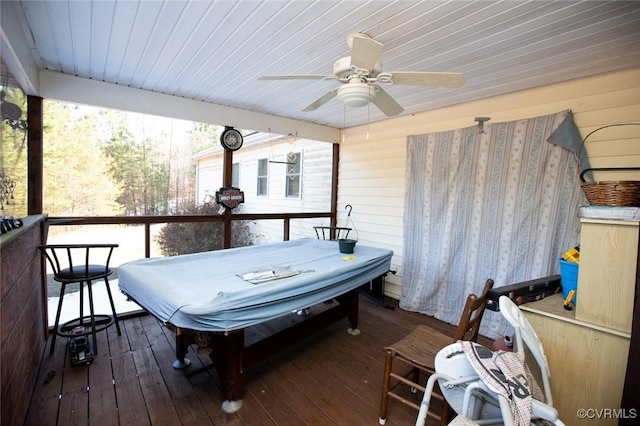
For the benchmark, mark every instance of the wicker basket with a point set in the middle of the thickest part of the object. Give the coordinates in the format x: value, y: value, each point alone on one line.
x: 617, y: 193
x: 622, y: 193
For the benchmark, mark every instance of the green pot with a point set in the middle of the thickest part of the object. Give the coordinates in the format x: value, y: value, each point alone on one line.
x: 346, y: 245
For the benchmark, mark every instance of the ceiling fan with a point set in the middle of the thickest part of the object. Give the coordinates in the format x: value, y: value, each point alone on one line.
x: 362, y: 76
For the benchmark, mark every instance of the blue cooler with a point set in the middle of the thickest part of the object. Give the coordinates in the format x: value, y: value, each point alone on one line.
x: 568, y: 278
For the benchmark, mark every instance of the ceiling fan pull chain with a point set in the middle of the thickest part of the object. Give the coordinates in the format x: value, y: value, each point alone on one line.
x: 344, y: 121
x: 368, y: 115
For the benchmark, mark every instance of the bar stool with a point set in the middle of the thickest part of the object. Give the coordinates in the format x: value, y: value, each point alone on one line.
x: 61, y: 257
x: 331, y: 232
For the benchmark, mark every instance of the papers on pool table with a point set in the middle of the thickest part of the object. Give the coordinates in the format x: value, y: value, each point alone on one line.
x: 269, y: 274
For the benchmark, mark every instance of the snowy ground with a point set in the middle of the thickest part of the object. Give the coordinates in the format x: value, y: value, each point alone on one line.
x: 71, y: 303
x: 131, y: 247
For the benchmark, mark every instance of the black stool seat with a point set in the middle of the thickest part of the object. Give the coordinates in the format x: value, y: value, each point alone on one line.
x: 90, y: 272
x: 74, y: 263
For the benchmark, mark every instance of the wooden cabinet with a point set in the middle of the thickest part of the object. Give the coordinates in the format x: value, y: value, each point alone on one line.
x: 587, y: 362
x: 588, y: 348
x: 607, y: 274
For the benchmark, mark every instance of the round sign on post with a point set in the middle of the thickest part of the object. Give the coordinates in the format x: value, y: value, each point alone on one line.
x: 231, y: 139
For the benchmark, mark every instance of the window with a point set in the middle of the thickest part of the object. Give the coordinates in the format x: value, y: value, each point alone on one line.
x: 263, y: 176
x: 13, y: 156
x: 293, y: 175
x: 141, y: 163
x: 235, y: 175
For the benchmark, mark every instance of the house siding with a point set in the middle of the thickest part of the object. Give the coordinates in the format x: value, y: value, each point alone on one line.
x: 372, y: 170
x: 315, y: 192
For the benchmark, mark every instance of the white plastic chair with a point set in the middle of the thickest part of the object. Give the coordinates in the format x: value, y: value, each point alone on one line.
x: 526, y: 335
x: 456, y: 377
x: 470, y: 397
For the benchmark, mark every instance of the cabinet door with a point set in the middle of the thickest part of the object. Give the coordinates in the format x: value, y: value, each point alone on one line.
x: 607, y: 274
x: 587, y: 368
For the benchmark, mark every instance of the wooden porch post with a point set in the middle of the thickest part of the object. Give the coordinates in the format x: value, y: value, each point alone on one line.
x: 334, y: 185
x: 227, y: 179
x: 35, y: 163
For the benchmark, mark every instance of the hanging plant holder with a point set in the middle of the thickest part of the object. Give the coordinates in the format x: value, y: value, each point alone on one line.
x: 347, y: 245
x: 288, y: 162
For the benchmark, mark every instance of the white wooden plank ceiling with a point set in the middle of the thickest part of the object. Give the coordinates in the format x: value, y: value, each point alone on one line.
x: 214, y: 51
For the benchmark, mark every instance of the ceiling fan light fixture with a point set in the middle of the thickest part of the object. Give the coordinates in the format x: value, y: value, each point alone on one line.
x: 356, y: 94
x: 361, y: 77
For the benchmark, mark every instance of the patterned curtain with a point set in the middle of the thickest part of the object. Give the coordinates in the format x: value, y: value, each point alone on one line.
x: 499, y: 204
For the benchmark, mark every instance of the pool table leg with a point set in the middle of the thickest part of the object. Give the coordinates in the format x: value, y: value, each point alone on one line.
x: 181, y: 350
x: 351, y: 300
x: 227, y: 355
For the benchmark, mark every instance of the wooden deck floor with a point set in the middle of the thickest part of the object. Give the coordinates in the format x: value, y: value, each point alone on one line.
x: 331, y: 378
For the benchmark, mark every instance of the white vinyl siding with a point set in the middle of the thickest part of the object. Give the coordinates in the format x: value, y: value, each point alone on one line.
x: 372, y: 169
x: 316, y: 159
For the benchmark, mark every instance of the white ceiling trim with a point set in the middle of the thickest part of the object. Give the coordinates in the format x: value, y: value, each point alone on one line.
x: 16, y: 52
x: 63, y: 87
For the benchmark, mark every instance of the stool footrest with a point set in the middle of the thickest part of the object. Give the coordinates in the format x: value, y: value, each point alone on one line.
x: 67, y: 329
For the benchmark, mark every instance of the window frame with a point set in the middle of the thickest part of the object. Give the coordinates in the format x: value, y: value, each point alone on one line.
x: 297, y: 174
x: 235, y: 175
x: 264, y: 177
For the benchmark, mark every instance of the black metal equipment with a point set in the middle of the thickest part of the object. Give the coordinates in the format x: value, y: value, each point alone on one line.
x: 80, y: 351
x: 524, y: 292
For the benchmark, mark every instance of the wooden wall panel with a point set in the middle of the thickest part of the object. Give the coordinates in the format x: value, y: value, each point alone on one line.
x: 17, y: 254
x: 22, y: 310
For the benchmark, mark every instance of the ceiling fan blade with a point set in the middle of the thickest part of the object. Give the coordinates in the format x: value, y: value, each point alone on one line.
x: 386, y: 103
x: 365, y: 52
x: 322, y: 100
x: 437, y: 79
x: 297, y: 77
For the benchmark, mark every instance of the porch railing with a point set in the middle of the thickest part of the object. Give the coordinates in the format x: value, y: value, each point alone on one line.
x: 147, y: 221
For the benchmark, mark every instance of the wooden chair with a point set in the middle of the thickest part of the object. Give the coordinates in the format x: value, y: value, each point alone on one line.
x: 418, y: 351
x: 74, y: 263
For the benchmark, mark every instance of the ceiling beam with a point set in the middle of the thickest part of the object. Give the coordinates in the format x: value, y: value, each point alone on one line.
x: 15, y: 49
x: 64, y: 87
